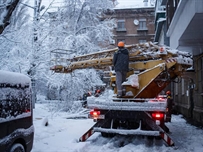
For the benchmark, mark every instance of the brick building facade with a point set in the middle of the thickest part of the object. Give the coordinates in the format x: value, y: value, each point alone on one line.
x: 133, y: 25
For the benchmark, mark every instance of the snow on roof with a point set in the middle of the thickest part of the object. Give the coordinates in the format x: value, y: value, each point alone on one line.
x: 132, y: 7
x: 13, y: 78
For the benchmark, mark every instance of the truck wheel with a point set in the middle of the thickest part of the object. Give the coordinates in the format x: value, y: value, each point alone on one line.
x: 17, y: 148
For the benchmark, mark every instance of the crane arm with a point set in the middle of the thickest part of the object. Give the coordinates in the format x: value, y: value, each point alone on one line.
x: 156, y: 66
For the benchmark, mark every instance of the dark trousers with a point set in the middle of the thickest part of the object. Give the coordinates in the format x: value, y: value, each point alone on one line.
x: 120, y: 78
x: 168, y: 115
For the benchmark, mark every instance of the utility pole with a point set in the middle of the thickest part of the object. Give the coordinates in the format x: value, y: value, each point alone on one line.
x: 36, y: 17
x: 32, y: 71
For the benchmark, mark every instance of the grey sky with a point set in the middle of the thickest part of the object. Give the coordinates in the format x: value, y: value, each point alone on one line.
x: 130, y: 3
x: 121, y: 2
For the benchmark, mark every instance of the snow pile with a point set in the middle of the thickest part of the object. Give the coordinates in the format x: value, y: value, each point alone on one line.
x: 152, y: 51
x: 61, y: 135
x: 132, y: 80
x: 177, y: 52
x: 184, y: 60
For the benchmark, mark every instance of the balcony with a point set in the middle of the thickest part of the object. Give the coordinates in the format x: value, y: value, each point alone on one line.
x: 186, y: 26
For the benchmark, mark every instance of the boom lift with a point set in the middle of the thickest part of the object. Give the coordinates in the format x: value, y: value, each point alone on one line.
x: 153, y: 67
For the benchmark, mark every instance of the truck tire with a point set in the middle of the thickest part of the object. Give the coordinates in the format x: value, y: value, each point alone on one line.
x: 17, y: 147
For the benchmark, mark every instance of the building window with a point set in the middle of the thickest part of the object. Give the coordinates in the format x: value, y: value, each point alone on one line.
x: 142, y: 24
x: 142, y: 41
x: 141, y: 32
x: 121, y: 25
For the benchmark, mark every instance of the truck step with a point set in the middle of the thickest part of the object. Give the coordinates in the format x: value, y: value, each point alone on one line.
x: 127, y: 132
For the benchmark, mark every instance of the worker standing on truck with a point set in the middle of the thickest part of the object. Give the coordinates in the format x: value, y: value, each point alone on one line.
x: 121, y: 66
x: 169, y: 106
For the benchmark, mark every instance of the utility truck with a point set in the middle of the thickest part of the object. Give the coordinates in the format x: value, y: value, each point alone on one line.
x: 152, y: 68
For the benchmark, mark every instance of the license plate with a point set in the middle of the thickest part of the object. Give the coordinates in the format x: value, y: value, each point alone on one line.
x: 101, y: 117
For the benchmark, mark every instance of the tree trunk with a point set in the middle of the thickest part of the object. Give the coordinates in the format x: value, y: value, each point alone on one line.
x: 10, y: 7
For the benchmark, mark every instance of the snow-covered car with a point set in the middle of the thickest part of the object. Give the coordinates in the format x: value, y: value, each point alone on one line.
x: 16, y: 114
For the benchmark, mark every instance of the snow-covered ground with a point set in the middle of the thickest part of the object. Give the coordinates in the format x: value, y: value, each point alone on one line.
x: 63, y: 132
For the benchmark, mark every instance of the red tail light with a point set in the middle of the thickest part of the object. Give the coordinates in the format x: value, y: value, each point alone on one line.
x: 157, y: 116
x: 27, y: 110
x: 94, y: 114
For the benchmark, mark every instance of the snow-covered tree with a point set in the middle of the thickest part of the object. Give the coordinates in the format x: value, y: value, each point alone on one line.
x: 16, y: 43
x: 80, y: 28
x: 6, y: 9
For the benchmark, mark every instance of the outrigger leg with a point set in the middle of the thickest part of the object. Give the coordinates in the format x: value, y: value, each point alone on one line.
x: 163, y: 133
x: 91, y: 131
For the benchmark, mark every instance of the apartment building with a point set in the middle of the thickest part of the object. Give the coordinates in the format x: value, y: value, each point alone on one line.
x: 179, y: 25
x: 133, y: 25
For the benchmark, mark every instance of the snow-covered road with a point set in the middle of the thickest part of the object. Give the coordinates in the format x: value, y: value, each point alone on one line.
x: 62, y: 134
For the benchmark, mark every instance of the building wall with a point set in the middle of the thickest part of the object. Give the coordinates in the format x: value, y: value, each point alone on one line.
x: 183, y: 32
x: 133, y: 33
x: 183, y: 93
x: 188, y: 93
x: 198, y: 89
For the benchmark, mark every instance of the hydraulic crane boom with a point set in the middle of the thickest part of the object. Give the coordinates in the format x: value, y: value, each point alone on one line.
x: 155, y: 66
x: 98, y: 60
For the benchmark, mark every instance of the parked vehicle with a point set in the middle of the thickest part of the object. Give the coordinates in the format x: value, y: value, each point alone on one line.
x: 16, y: 113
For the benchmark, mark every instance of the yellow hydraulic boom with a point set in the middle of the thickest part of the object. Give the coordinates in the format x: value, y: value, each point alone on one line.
x: 154, y: 65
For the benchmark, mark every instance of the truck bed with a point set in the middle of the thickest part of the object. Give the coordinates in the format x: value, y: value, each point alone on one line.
x: 126, y: 104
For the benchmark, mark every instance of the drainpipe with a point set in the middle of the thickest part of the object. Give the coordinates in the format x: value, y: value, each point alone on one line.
x: 191, y: 99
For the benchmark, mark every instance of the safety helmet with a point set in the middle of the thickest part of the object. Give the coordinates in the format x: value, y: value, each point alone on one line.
x: 121, y: 44
x: 168, y: 92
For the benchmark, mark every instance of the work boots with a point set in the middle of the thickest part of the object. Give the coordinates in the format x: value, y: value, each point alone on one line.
x: 119, y: 93
x: 123, y: 92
